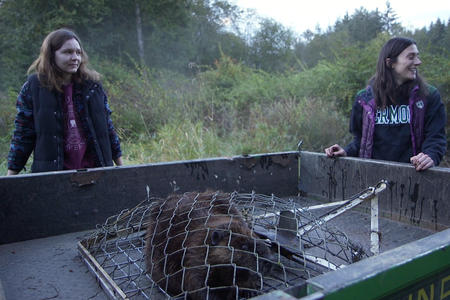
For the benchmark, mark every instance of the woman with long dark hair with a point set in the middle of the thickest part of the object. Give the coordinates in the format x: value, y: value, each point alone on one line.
x: 63, y: 116
x: 397, y: 117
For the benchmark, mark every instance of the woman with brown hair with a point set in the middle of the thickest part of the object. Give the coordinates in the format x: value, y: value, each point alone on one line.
x: 63, y: 115
x: 397, y: 117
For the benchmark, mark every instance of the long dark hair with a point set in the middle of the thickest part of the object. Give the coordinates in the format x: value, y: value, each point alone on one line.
x: 384, y: 85
x: 45, y: 66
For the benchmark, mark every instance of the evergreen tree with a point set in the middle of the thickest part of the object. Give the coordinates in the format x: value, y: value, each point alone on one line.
x: 272, y: 47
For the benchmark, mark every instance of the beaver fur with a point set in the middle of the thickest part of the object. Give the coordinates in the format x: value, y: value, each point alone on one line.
x: 199, y: 246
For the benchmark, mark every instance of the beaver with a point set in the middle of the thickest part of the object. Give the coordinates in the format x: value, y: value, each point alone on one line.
x: 198, y: 246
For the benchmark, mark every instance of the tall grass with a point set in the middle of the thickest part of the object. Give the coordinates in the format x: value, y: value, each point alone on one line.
x: 200, y: 121
x: 277, y: 127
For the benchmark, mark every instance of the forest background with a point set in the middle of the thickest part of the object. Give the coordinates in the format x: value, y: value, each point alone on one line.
x: 196, y: 78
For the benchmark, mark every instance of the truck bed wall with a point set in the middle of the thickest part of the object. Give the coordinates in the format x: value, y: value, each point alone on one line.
x: 40, y: 205
x: 418, y: 198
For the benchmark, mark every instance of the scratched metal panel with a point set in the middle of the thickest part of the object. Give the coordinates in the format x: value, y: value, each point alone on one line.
x: 40, y: 205
x: 419, y: 198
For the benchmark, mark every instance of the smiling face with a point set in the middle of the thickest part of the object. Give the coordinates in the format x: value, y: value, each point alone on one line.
x: 68, y: 57
x: 405, y: 67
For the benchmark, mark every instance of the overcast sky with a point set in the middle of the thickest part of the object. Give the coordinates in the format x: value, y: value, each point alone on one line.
x: 300, y: 15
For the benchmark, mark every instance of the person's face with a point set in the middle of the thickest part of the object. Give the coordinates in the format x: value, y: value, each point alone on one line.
x: 405, y: 68
x: 68, y: 57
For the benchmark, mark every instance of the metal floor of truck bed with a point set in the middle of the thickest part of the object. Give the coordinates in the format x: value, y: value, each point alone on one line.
x: 51, y: 268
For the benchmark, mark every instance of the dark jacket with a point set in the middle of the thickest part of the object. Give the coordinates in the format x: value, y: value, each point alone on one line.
x: 425, y: 130
x: 39, y: 126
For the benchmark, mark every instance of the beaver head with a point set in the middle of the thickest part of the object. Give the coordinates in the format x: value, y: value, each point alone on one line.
x: 238, y: 260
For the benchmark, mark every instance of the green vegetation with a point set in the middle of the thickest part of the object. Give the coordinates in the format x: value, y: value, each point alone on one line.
x: 188, y: 88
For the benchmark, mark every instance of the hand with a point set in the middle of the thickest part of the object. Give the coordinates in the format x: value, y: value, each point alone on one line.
x: 422, y: 161
x: 11, y: 172
x: 119, y: 161
x: 335, y: 151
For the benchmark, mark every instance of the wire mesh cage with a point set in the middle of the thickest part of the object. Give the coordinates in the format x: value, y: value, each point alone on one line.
x: 214, y: 245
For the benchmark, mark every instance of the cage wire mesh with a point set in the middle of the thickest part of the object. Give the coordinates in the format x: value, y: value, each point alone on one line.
x: 215, y: 245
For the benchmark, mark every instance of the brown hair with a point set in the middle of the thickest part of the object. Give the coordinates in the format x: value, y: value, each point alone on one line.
x: 48, y: 72
x: 385, y: 88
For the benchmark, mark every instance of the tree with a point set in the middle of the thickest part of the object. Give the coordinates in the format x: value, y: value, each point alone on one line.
x: 158, y: 33
x: 25, y: 23
x: 140, y: 40
x: 362, y: 26
x: 272, y: 47
x: 389, y: 18
x: 355, y: 30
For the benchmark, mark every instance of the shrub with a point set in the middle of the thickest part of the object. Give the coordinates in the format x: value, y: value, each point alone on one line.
x: 281, y: 125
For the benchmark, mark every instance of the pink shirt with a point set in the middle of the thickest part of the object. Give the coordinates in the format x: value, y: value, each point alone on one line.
x: 74, y: 138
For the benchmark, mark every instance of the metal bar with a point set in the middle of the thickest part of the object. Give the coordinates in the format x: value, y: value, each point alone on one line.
x: 325, y: 205
x: 302, y: 209
x: 321, y: 261
x: 108, y: 285
x: 368, y: 194
x: 374, y: 230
